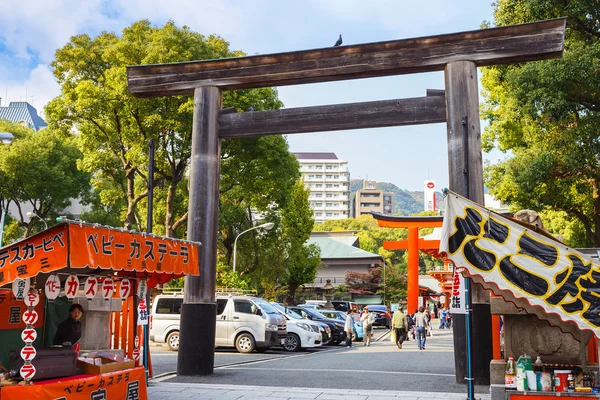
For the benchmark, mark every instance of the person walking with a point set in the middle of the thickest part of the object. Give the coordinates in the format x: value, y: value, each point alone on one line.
x: 443, y: 315
x: 421, y: 322
x: 399, y: 324
x: 349, y: 328
x: 367, y: 320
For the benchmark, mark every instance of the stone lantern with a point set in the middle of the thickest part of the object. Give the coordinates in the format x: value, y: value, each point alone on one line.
x: 328, y: 288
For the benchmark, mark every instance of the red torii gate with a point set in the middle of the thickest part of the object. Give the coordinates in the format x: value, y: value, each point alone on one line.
x: 413, y: 244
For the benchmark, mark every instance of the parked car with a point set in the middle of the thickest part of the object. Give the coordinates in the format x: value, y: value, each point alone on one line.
x: 340, y: 315
x: 343, y: 305
x: 382, y: 315
x: 301, y: 333
x: 246, y: 323
x: 336, y: 326
x: 318, y: 304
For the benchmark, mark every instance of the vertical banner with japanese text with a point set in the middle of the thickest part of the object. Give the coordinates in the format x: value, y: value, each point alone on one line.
x: 510, y: 259
x: 127, y: 384
x: 457, y: 302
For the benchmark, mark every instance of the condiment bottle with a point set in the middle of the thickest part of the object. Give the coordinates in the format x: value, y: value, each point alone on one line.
x: 570, y: 383
x: 546, y: 380
x: 510, y: 374
x: 538, y: 365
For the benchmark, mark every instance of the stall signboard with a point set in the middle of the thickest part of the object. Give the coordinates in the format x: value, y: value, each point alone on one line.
x: 20, y: 287
x: 91, y: 287
x: 71, y: 286
x: 458, y: 304
x: 125, y: 289
x: 108, y: 287
x: 70, y: 245
x: 52, y: 287
x: 105, y: 248
x: 128, y: 384
x: 513, y: 260
x: 32, y: 299
x: 44, y: 252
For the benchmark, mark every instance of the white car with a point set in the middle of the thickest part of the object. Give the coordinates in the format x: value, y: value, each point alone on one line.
x: 301, y: 333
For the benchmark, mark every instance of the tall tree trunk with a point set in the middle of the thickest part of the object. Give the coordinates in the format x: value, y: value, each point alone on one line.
x: 169, y: 208
x: 131, y: 201
x: 291, y: 295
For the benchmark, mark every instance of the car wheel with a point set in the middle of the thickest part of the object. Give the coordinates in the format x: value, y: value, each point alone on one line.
x: 355, y: 336
x: 244, y: 343
x: 173, y: 340
x: 291, y: 342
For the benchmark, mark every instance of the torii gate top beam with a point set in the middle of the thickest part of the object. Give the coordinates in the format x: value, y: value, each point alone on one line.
x: 502, y: 45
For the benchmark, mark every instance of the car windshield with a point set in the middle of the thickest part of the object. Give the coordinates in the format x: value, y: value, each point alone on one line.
x: 314, y: 313
x: 286, y: 311
x: 266, y: 306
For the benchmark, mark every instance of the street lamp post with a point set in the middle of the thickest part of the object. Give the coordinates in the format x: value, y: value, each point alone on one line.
x: 31, y: 214
x: 6, y: 138
x: 266, y: 226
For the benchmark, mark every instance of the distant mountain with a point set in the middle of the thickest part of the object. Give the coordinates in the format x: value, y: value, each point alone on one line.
x: 405, y: 202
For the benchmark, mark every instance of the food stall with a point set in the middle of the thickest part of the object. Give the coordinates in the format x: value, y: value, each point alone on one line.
x: 547, y: 294
x: 104, y: 270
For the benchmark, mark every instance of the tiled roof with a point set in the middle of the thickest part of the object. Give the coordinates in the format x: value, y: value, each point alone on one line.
x: 332, y: 248
x: 316, y: 156
x: 18, y: 111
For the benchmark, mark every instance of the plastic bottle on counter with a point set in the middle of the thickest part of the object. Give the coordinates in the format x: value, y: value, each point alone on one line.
x: 570, y: 383
x: 538, y: 365
x: 510, y: 374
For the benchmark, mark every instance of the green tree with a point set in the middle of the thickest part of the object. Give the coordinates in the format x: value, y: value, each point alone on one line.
x: 39, y: 171
x: 547, y: 114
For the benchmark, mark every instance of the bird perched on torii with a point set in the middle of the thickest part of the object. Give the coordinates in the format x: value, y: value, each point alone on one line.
x: 338, y: 42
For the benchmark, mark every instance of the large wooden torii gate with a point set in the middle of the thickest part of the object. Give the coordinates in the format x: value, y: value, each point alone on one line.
x: 457, y: 54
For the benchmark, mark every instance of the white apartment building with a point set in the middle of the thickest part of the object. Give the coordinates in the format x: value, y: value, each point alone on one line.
x: 328, y: 180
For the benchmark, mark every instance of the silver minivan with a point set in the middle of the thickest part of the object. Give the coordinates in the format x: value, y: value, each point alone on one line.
x: 244, y: 322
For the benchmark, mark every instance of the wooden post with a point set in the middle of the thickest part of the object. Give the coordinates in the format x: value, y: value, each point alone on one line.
x: 199, y: 311
x: 466, y: 178
x: 413, y: 269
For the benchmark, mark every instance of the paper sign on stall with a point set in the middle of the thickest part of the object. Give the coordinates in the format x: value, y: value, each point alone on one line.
x: 458, y: 304
x: 32, y: 299
x: 29, y: 335
x: 142, y: 288
x: 72, y: 286
x: 142, y: 312
x: 20, y: 287
x: 91, y: 287
x: 124, y: 289
x: 52, y: 287
x: 108, y: 288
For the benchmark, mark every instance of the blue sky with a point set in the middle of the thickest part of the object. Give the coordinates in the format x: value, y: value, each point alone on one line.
x: 31, y: 30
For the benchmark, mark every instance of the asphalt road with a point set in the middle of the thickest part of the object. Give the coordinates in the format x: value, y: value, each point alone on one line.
x: 381, y: 366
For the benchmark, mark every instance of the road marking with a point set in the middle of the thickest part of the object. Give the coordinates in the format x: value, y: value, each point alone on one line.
x: 342, y: 370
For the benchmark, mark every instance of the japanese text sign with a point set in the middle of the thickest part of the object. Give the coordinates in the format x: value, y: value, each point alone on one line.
x: 11, y: 311
x: 71, y: 286
x: 29, y: 335
x: 90, y: 287
x: 108, y: 287
x: 458, y: 303
x: 142, y: 288
x: 44, y: 252
x: 129, y: 384
x: 28, y: 353
x: 20, y: 288
x: 32, y: 299
x: 543, y: 272
x: 142, y: 312
x: 52, y: 287
x: 125, y: 289
x: 104, y: 248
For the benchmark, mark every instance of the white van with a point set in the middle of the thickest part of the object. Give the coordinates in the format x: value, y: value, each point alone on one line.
x: 246, y: 323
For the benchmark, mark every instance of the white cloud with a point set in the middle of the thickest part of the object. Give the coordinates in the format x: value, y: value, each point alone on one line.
x: 39, y: 88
